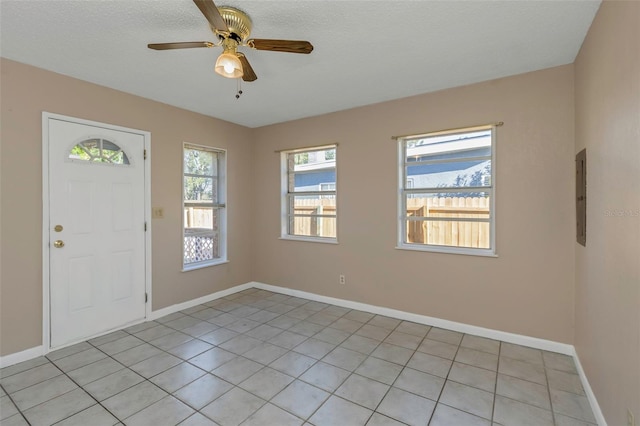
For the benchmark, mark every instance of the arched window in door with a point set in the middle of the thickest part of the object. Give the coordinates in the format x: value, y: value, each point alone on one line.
x: 98, y: 150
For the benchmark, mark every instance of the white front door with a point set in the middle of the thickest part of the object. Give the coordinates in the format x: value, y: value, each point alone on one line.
x: 96, y: 229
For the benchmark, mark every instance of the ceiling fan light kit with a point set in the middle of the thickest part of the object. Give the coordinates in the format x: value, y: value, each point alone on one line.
x: 233, y: 27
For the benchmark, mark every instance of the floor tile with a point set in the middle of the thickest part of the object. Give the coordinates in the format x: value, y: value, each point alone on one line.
x: 441, y: 349
x: 293, y: 364
x: 134, y: 399
x: 59, y: 408
x: 565, y: 381
x: 233, y: 407
x: 42, y: 392
x: 137, y: 354
x: 446, y: 336
x: 562, y: 420
x: 430, y: 364
x: 346, y: 324
x: 287, y: 340
x: 314, y: 348
x: 237, y: 370
x: 404, y: 340
x: 336, y: 310
x: 325, y: 376
x: 168, y: 318
x: 140, y: 327
x: 7, y: 408
x: 359, y: 316
x: 344, y: 358
x: 471, y: 400
x: 181, y: 323
x: 206, y: 314
x: 379, y: 369
x: 269, y: 414
x: 473, y: 376
x: 477, y: 358
x: 360, y: 344
x: 112, y: 384
x: 406, y: 407
x: 240, y: 344
x: 190, y: 349
x: 120, y: 345
x: 266, y: 383
x: 331, y: 335
x: 306, y: 328
x: 200, y: 329
x: 154, y: 332
x: 521, y: 353
x: 513, y: 413
x: 171, y: 340
x: 168, y: 411
x: 15, y: 420
x: 23, y: 366
x: 79, y: 359
x: 363, y: 391
x: 95, y: 371
x: 481, y: 344
x: 522, y: 370
x: 559, y: 362
x: 198, y: 419
x: 373, y: 332
x: 71, y: 350
x: 30, y: 377
x: 263, y: 316
x: 572, y: 405
x: 223, y: 320
x: 280, y: 308
x: 283, y: 322
x: 393, y: 353
x: 336, y: 410
x: 420, y: 383
x: 264, y: 332
x: 212, y: 359
x: 177, y: 377
x: 413, y: 328
x: 95, y: 415
x: 448, y: 416
x: 155, y: 365
x: 384, y: 322
x: 265, y: 353
x: 192, y: 310
x: 202, y: 391
x: 300, y: 399
x: 242, y: 325
x: 523, y: 391
x: 378, y: 419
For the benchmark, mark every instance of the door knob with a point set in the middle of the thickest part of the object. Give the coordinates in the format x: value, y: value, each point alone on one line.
x: 58, y: 243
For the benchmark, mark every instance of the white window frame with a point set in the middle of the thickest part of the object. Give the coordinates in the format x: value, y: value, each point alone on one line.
x: 220, y: 206
x: 403, y: 189
x: 285, y: 195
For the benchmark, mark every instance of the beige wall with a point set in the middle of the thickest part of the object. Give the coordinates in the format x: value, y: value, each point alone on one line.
x: 608, y: 268
x: 528, y: 289
x: 26, y: 92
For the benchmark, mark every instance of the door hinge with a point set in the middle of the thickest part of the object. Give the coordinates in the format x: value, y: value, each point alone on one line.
x: 146, y: 297
x: 145, y: 154
x: 145, y: 227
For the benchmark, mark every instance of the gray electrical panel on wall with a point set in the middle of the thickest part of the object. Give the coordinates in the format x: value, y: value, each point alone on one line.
x: 581, y: 197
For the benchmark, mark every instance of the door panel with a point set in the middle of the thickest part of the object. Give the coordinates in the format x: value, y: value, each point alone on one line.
x: 96, y: 193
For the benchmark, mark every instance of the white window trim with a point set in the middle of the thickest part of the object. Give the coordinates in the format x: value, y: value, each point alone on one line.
x: 284, y: 193
x: 401, y: 199
x: 222, y: 225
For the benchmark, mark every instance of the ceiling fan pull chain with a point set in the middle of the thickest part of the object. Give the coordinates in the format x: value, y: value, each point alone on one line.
x: 239, y: 80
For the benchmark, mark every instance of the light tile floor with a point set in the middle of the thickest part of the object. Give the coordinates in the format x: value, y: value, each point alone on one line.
x: 266, y: 359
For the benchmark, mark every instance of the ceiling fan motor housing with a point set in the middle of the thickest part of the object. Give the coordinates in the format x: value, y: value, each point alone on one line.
x: 237, y: 21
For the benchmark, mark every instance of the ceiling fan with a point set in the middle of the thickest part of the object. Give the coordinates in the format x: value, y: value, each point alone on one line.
x: 233, y: 28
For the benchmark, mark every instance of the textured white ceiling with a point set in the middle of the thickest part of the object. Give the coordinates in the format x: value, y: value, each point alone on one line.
x: 365, y: 51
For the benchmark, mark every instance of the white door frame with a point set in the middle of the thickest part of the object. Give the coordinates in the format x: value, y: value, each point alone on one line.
x: 46, y: 323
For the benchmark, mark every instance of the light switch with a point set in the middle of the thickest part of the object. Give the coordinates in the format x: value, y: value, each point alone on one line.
x: 157, y: 212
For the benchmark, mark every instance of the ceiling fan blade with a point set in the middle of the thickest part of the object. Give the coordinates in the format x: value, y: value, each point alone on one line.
x: 291, y: 46
x: 180, y: 45
x: 247, y: 71
x: 211, y: 12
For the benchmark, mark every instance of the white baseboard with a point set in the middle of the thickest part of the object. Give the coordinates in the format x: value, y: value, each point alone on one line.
x: 199, y: 301
x: 518, y: 339
x: 26, y: 355
x: 597, y: 412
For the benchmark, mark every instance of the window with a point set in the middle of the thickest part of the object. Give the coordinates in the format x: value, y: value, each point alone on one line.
x: 98, y: 151
x: 204, y: 209
x: 446, y: 198
x: 309, y: 194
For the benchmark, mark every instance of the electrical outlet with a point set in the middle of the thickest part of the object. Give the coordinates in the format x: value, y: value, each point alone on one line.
x: 157, y: 213
x: 630, y: 418
x: 342, y: 280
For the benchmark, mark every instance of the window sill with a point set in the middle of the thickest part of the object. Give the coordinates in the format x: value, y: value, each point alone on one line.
x: 204, y: 265
x: 449, y: 250
x: 310, y: 239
